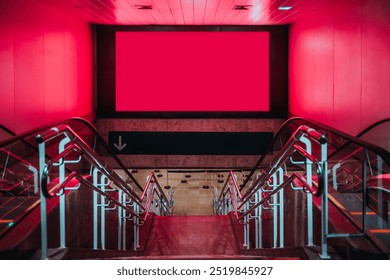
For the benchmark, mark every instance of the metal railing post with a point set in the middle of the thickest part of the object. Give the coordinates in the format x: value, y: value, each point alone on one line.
x: 136, y: 228
x: 309, y: 179
x: 258, y: 227
x: 246, y: 227
x: 275, y: 211
x: 324, y: 203
x: 121, y: 214
x: 61, y: 170
x: 281, y: 209
x: 95, y: 209
x: 42, y: 163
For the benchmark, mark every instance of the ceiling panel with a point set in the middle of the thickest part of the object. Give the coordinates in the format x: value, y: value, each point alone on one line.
x: 187, y: 12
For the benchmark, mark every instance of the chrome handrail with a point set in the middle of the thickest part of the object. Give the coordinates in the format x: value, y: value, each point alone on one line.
x: 79, y: 146
x: 150, y: 183
x: 225, y: 190
x: 281, y: 157
x: 83, y: 149
x: 289, y: 148
x: 110, y: 198
x: 250, y: 201
x: 290, y: 179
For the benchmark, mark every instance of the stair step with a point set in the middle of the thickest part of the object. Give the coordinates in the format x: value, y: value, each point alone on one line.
x: 203, y: 257
x: 192, y: 236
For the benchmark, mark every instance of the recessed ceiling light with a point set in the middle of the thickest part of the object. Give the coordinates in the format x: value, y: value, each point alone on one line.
x: 284, y: 8
x: 242, y: 7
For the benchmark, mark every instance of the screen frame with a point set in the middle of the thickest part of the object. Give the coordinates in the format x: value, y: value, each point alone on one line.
x: 106, y: 67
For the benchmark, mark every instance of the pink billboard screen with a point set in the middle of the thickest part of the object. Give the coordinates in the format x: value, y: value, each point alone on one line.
x: 192, y: 72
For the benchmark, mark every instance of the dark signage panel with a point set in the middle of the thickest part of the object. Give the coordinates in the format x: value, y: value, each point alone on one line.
x: 189, y: 143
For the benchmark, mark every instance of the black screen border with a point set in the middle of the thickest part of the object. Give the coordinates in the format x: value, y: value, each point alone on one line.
x: 105, y: 71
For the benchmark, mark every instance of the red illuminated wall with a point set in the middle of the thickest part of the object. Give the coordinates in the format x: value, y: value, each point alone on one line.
x: 46, y: 65
x: 339, y: 64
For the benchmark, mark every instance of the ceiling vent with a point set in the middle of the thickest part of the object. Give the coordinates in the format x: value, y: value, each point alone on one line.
x: 143, y: 7
x: 242, y: 7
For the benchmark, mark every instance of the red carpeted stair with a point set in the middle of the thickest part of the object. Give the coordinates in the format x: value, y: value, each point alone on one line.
x: 187, y: 238
x: 192, y: 236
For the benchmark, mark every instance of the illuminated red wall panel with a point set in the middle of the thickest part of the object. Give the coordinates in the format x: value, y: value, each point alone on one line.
x: 29, y: 70
x: 192, y: 71
x: 375, y: 61
x: 348, y: 68
x: 54, y: 59
x: 7, y: 114
x: 338, y: 71
x: 46, y: 65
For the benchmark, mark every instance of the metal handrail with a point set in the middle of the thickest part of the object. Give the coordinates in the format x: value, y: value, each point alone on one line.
x: 9, y: 131
x: 28, y: 165
x: 16, y: 157
x: 380, y: 189
x: 22, y: 137
x: 230, y: 179
x: 316, y: 192
x: 350, y: 139
x: 152, y: 180
x: 149, y: 190
x: 289, y: 148
x: 91, y: 157
x: 80, y: 178
x: 227, y: 181
x: 372, y: 126
x: 81, y: 147
x: 70, y: 149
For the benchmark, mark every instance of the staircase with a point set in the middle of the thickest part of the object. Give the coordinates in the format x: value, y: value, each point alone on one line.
x: 192, y: 237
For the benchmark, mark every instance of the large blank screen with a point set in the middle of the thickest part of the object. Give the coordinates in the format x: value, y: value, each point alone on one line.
x: 192, y: 71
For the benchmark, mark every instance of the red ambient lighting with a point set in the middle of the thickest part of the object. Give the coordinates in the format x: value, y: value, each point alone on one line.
x: 192, y: 71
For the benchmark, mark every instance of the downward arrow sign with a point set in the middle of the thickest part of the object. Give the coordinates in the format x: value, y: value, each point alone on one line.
x: 120, y: 146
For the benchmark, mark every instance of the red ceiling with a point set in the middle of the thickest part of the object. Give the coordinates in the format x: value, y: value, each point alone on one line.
x: 186, y: 12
